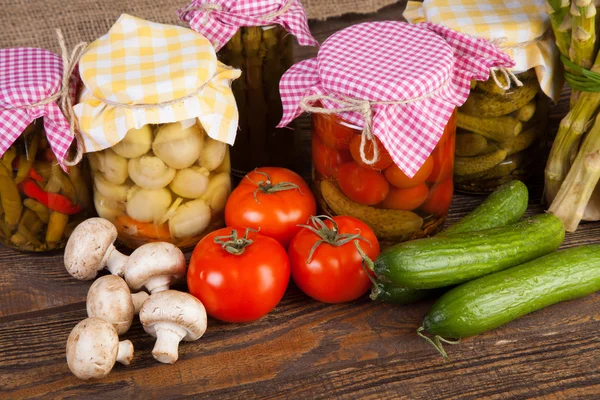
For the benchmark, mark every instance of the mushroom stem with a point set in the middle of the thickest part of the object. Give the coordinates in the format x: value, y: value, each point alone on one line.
x: 138, y: 299
x: 125, y: 352
x: 158, y: 283
x: 166, y: 347
x: 115, y: 261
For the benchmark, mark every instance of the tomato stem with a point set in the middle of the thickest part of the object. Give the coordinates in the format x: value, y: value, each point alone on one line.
x: 233, y: 244
x: 267, y: 187
x: 328, y: 235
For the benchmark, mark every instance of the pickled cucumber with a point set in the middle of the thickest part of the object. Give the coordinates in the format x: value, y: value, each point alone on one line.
x: 474, y: 165
x: 389, y: 224
x: 500, y: 129
x: 490, y: 105
x: 522, y: 141
x: 490, y: 86
x: 526, y: 112
x: 470, y: 144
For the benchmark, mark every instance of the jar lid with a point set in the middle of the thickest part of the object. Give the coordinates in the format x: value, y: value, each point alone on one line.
x: 219, y: 20
x: 399, y: 82
x: 143, y: 72
x: 30, y: 86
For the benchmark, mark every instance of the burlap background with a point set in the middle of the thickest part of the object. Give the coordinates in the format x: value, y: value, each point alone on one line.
x: 32, y: 23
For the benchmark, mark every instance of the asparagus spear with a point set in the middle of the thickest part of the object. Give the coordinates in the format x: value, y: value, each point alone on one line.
x: 560, y: 19
x: 574, y: 194
x: 583, y: 32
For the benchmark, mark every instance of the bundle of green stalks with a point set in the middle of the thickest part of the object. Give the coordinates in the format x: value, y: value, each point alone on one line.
x: 573, y: 168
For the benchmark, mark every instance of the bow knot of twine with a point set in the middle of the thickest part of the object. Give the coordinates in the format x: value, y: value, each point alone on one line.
x: 62, y: 95
x: 210, y: 7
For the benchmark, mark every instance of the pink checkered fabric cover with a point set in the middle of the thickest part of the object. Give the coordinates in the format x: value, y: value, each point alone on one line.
x: 219, y: 20
x: 28, y: 76
x: 428, y: 66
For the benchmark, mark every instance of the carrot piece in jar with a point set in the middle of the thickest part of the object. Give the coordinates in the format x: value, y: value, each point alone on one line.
x: 362, y: 185
x: 384, y: 160
x: 405, y: 199
x: 396, y: 177
x: 149, y: 230
x: 327, y: 160
x: 440, y: 197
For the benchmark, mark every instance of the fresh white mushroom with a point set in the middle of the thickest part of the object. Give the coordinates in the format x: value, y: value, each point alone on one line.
x: 150, y: 172
x: 93, y: 347
x: 178, y: 147
x: 148, y: 205
x: 116, y: 193
x: 190, y: 182
x: 225, y: 165
x: 213, y: 153
x: 110, y: 299
x: 155, y: 266
x: 107, y: 209
x: 136, y: 143
x: 90, y: 249
x: 171, y: 317
x: 218, y: 191
x: 190, y: 219
x: 112, y: 165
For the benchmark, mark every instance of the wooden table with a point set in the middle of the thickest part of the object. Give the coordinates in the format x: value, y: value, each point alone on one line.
x: 303, y: 349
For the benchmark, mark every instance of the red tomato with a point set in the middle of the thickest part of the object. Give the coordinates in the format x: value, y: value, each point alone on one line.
x: 406, y: 199
x: 334, y: 274
x: 362, y: 185
x: 443, y: 155
x: 238, y: 287
x: 440, y: 197
x: 327, y: 159
x: 384, y: 161
x: 332, y: 132
x: 275, y: 212
x: 396, y: 177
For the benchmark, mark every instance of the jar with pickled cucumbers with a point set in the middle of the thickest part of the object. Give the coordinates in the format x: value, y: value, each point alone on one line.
x: 383, y: 136
x: 163, y: 183
x: 40, y: 203
x: 263, y: 52
x: 159, y: 144
x: 500, y: 134
x: 502, y: 127
x: 395, y: 206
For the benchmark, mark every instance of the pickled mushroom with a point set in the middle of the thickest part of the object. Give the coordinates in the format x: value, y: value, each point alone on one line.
x: 190, y: 219
x: 213, y: 154
x: 179, y: 148
x: 190, y: 182
x: 108, y: 209
x: 150, y: 172
x: 148, y: 205
x: 112, y: 165
x: 218, y: 191
x: 116, y: 193
x: 136, y: 143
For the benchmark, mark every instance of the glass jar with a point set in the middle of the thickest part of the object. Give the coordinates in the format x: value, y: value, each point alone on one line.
x: 500, y: 134
x: 40, y: 204
x: 396, y: 207
x: 166, y: 182
x: 263, y: 54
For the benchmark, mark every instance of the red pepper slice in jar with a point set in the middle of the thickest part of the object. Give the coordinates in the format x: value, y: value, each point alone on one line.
x: 54, y: 201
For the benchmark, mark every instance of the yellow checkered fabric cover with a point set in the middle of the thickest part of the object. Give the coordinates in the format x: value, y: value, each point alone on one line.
x: 521, y: 27
x: 143, y: 72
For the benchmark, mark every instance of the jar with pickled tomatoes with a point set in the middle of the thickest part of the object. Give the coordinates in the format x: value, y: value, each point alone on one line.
x: 383, y: 149
x: 158, y: 144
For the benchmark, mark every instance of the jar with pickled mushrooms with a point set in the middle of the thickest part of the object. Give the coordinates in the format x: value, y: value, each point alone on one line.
x: 502, y: 127
x: 383, y: 144
x: 160, y: 164
x: 258, y: 41
x: 43, y: 196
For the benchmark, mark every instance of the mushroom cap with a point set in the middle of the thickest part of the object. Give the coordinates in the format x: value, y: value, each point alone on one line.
x: 177, y: 308
x: 87, y: 246
x: 152, y: 260
x: 92, y: 348
x: 109, y: 298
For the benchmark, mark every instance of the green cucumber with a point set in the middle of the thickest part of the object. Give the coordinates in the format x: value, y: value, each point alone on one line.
x: 496, y: 299
x: 449, y: 260
x: 503, y: 207
x: 398, y: 295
